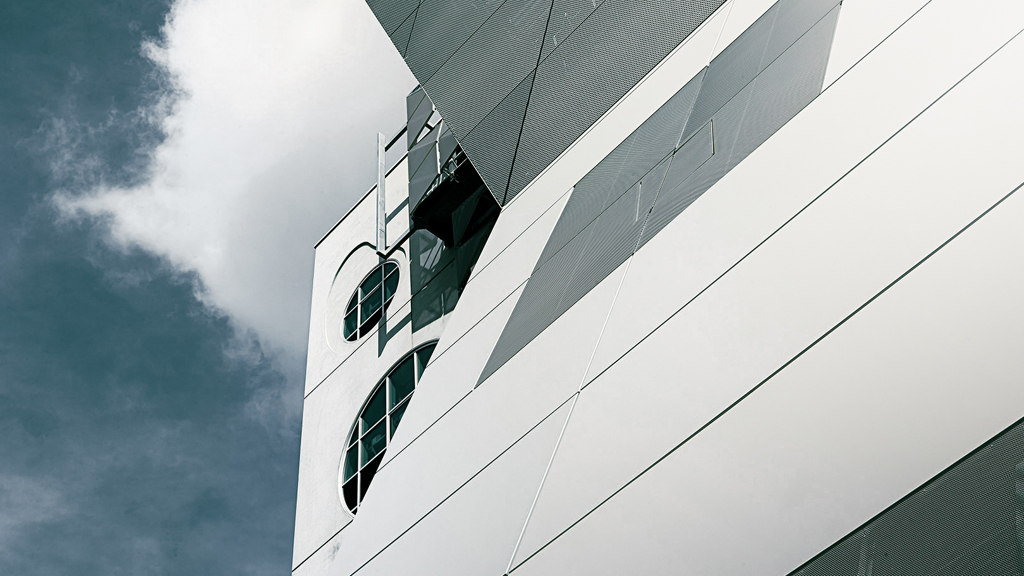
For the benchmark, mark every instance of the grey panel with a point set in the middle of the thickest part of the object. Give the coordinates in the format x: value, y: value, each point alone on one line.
x: 776, y: 95
x: 651, y: 185
x: 392, y: 13
x: 497, y: 57
x: 795, y: 18
x: 603, y: 59
x: 690, y: 156
x: 442, y: 26
x: 491, y: 145
x: 649, y: 144
x: 423, y: 150
x: 422, y: 166
x: 967, y: 520
x: 731, y: 70
x: 418, y: 111
x: 446, y: 144
x: 566, y: 16
x: 400, y: 37
x: 615, y: 235
x: 538, y: 306
x: 762, y: 105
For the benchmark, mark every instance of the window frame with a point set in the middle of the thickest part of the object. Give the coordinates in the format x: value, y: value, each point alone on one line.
x: 353, y: 486
x: 357, y: 303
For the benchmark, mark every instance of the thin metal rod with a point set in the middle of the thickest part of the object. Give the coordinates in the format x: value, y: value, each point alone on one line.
x: 381, y: 210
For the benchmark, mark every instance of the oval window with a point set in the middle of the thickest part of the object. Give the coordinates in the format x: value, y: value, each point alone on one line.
x: 372, y: 431
x: 370, y: 300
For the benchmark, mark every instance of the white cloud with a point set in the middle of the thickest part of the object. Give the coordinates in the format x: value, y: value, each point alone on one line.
x: 270, y: 138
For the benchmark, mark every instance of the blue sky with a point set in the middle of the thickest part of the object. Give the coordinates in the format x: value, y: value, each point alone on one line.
x: 165, y: 168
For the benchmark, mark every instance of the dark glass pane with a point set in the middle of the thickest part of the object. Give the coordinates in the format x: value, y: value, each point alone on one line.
x: 354, y: 436
x: 375, y: 409
x: 391, y: 284
x: 402, y: 381
x: 371, y: 304
x: 396, y: 417
x: 352, y: 303
x: 374, y: 442
x: 368, y: 473
x: 424, y: 356
x: 351, y: 323
x: 371, y: 282
x: 369, y: 323
x: 351, y: 463
x: 351, y: 491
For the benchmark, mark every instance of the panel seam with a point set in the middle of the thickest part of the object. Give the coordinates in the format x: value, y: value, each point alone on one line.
x: 568, y: 416
x: 526, y: 109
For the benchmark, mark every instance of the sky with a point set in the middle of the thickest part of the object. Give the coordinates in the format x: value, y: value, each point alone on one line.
x: 165, y: 169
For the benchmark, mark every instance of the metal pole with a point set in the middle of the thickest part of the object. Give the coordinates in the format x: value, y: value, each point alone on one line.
x: 381, y: 209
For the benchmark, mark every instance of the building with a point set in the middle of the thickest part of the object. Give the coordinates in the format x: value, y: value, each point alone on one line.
x: 679, y: 287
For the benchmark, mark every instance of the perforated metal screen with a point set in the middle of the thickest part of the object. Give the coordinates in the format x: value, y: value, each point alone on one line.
x: 518, y: 81
x: 969, y: 520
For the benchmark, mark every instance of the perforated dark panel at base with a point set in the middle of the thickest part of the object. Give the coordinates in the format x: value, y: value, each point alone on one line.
x: 967, y: 521
x: 653, y: 175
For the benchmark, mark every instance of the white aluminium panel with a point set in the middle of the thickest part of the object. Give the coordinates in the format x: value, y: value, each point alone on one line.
x: 912, y: 383
x: 320, y: 562
x: 863, y: 24
x: 828, y: 138
x: 328, y: 413
x: 526, y: 390
x: 474, y: 530
x: 922, y: 187
x: 332, y: 251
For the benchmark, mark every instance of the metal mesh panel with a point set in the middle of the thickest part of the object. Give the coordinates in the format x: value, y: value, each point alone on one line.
x: 651, y: 184
x: 612, y: 242
x: 497, y: 58
x: 400, y: 37
x: 492, y: 143
x: 392, y: 13
x: 969, y: 520
x: 597, y: 64
x: 418, y: 110
x: 566, y: 16
x: 731, y: 70
x: 788, y: 84
x: 446, y: 144
x: 795, y: 18
x: 537, y: 306
x: 623, y: 167
x: 441, y: 28
x: 690, y: 156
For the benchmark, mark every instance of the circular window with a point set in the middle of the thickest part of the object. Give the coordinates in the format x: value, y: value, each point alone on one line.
x: 370, y: 300
x: 377, y: 422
